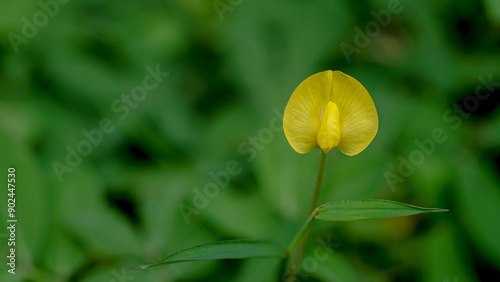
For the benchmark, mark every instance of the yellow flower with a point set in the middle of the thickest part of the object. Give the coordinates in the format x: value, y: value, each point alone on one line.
x: 330, y: 109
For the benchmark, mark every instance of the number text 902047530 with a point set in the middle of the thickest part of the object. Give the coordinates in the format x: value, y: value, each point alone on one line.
x: 11, y: 221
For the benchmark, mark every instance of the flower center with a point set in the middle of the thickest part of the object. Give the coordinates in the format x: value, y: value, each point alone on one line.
x: 329, y: 131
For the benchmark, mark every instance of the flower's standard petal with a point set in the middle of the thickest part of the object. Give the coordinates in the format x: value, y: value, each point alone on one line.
x: 358, y: 116
x: 303, y: 113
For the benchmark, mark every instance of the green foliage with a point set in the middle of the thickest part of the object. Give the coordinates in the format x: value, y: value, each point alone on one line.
x: 119, y: 207
x: 367, y: 209
x: 232, y: 249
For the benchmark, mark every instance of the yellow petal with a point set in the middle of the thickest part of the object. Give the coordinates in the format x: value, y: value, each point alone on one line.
x: 358, y: 116
x: 329, y: 131
x: 304, y: 111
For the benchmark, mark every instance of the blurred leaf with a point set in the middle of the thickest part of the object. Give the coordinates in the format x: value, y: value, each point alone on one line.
x: 277, y: 53
x: 256, y: 226
x: 104, y: 232
x: 262, y: 270
x: 119, y: 273
x: 353, y: 178
x: 31, y: 194
x: 444, y: 257
x: 335, y: 267
x: 63, y: 256
x: 232, y: 249
x: 479, y: 203
x: 286, y: 178
x: 492, y: 8
x: 368, y: 209
x: 489, y: 135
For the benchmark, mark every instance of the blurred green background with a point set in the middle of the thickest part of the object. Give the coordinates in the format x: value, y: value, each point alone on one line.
x: 231, y: 65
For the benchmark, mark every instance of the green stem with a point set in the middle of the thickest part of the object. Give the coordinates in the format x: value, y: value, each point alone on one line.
x: 303, y: 233
x: 318, y: 183
x: 298, y: 238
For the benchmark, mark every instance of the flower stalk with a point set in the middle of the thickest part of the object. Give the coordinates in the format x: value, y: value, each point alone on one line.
x: 303, y: 233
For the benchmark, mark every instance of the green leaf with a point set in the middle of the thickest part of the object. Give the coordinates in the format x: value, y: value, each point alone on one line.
x: 479, y: 205
x: 232, y: 249
x: 367, y: 209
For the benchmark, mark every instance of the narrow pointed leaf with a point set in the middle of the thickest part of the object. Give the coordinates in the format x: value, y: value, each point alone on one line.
x: 367, y: 209
x: 232, y: 249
